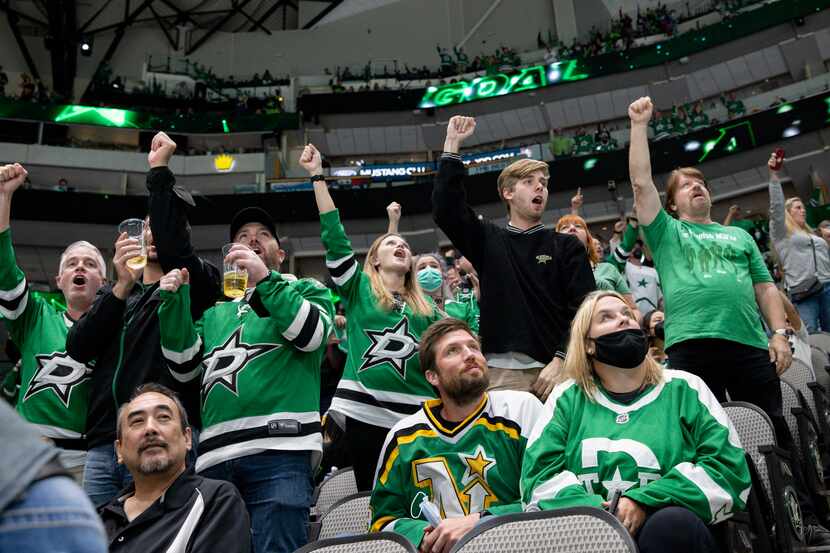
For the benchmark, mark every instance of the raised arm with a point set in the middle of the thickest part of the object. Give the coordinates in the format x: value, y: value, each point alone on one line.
x: 394, y: 212
x: 14, y: 289
x: 312, y: 161
x: 577, y: 201
x: 171, y: 229
x: 11, y: 178
x: 777, y: 218
x: 733, y: 210
x: 449, y: 203
x: 646, y: 197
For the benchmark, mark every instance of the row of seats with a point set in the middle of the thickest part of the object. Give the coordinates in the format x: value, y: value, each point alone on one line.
x: 342, y: 514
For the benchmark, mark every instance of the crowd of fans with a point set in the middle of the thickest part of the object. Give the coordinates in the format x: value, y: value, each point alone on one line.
x: 195, y: 424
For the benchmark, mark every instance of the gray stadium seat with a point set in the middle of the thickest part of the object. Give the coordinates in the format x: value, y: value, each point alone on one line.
x: 574, y: 530
x: 347, y: 517
x: 382, y: 542
x: 335, y: 487
x: 774, y: 469
x: 821, y: 340
x: 790, y: 397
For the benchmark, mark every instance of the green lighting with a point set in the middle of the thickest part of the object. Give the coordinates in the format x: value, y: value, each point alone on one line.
x: 589, y: 164
x: 784, y: 108
x: 225, y: 125
x: 728, y: 133
x: 108, y: 117
x: 490, y: 86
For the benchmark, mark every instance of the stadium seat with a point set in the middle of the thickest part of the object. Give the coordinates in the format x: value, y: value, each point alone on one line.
x: 820, y: 359
x: 822, y: 341
x: 347, y: 517
x: 775, y: 497
x: 803, y: 379
x: 334, y: 487
x: 382, y: 542
x: 574, y: 530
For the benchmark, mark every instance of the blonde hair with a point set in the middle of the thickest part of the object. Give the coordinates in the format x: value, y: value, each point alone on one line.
x: 673, y: 182
x: 569, y: 219
x: 515, y: 172
x: 578, y: 364
x: 792, y: 226
x: 412, y: 294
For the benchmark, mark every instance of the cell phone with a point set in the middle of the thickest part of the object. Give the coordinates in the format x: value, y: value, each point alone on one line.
x: 612, y: 503
x: 779, y: 159
x: 283, y: 428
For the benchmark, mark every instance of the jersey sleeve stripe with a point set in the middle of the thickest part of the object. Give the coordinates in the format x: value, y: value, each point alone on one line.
x: 15, y: 293
x: 188, y: 376
x: 11, y: 310
x: 306, y: 330
x: 184, y: 356
x: 339, y: 266
x: 380, y: 523
x: 551, y: 488
x: 720, y: 502
x: 404, y: 436
x: 345, y: 276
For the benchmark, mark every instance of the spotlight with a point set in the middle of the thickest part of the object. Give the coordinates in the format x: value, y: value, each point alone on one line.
x: 692, y: 145
x: 86, y: 45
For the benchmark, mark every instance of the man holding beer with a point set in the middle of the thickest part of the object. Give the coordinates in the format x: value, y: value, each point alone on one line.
x: 120, y: 332
x: 258, y: 360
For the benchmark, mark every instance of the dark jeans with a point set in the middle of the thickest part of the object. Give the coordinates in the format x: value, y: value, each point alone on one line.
x: 675, y: 529
x: 364, y: 442
x: 276, y: 487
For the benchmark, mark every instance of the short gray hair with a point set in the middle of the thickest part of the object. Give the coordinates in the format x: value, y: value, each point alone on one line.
x: 98, y: 257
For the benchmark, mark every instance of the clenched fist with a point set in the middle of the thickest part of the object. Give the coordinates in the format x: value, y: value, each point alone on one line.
x: 311, y: 160
x: 11, y: 177
x: 162, y: 149
x: 640, y: 111
x: 173, y: 280
x: 460, y: 127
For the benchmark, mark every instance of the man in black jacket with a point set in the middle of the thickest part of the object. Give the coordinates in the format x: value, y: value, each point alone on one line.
x: 120, y: 333
x: 168, y: 507
x: 532, y: 279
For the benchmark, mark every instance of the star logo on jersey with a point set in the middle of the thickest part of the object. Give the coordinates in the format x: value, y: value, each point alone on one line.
x: 477, y: 465
x: 642, y: 283
x: 57, y: 372
x: 543, y: 259
x: 242, y: 309
x: 393, y: 345
x: 617, y: 483
x: 224, y: 363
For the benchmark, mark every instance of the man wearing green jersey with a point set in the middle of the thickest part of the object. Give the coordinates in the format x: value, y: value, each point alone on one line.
x: 54, y: 388
x: 714, y: 282
x: 258, y: 360
x: 462, y: 452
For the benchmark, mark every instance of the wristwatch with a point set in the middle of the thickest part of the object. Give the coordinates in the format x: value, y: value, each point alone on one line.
x: 783, y: 332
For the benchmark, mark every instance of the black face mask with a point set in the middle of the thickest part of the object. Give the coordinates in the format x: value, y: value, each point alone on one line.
x: 659, y: 332
x: 625, y: 348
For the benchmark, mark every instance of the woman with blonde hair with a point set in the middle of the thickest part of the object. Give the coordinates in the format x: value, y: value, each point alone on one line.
x: 387, y: 312
x: 617, y: 422
x: 803, y: 256
x: 606, y: 275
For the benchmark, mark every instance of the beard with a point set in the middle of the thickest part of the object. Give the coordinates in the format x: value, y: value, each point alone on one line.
x: 464, y: 390
x: 155, y: 466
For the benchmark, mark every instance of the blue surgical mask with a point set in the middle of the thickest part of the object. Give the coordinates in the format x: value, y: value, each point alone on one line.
x: 430, y: 279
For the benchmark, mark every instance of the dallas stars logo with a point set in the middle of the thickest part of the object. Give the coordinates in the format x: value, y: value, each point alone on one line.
x: 224, y: 363
x: 393, y: 345
x: 57, y: 372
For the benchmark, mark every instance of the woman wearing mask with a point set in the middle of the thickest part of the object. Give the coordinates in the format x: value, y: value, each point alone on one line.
x: 432, y: 276
x: 619, y: 422
x: 606, y: 275
x: 804, y: 257
x: 387, y: 312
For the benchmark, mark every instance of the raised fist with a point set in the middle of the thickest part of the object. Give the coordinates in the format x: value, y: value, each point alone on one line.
x: 311, y: 160
x: 394, y: 211
x: 11, y: 177
x: 461, y: 127
x: 640, y: 110
x: 162, y: 149
x: 173, y: 280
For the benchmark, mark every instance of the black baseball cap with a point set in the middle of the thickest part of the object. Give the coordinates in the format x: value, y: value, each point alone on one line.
x: 253, y: 215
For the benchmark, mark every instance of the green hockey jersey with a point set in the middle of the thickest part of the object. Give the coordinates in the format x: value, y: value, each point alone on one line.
x: 382, y: 381
x: 54, y: 388
x: 469, y: 468
x: 259, y: 361
x: 464, y: 307
x: 674, y: 445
